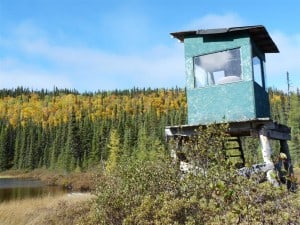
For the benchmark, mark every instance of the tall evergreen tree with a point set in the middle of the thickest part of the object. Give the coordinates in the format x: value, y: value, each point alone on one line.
x: 86, y: 135
x: 95, y: 155
x: 294, y: 123
x: 23, y: 145
x: 73, y: 153
x: 3, y: 148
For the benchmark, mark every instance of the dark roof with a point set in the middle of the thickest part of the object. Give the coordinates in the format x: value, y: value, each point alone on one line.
x: 259, y: 35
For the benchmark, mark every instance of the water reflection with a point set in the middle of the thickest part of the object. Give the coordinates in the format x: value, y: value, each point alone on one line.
x: 14, y: 188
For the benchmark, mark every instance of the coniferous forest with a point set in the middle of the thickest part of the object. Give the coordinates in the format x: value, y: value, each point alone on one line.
x: 68, y: 130
x: 63, y: 129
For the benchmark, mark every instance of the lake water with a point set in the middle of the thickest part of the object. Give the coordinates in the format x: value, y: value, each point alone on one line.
x: 16, y: 188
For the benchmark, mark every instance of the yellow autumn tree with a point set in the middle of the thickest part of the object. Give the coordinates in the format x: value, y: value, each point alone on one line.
x: 114, y: 151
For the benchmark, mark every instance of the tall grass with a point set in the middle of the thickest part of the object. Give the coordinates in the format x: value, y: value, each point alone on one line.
x: 58, y: 210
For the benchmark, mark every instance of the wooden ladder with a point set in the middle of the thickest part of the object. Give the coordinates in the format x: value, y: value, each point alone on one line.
x: 233, y: 149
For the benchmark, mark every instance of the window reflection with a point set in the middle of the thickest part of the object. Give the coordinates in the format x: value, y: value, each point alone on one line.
x: 217, y: 68
x: 257, y: 72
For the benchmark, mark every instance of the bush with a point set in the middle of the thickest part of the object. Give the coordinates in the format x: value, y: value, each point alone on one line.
x: 121, y: 191
x: 156, y: 192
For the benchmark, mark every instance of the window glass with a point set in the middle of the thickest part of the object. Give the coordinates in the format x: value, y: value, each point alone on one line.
x: 257, y: 72
x: 217, y: 68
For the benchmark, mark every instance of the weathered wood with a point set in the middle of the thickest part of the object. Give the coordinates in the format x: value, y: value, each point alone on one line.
x: 265, y: 130
x: 277, y: 135
x: 288, y: 166
x: 239, y: 129
x: 267, y: 156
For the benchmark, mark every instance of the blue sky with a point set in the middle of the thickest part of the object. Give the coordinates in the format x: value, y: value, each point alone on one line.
x: 95, y: 45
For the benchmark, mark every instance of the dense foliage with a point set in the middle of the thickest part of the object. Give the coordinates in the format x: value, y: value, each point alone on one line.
x: 155, y: 191
x: 139, y: 183
x: 67, y: 130
x: 285, y: 109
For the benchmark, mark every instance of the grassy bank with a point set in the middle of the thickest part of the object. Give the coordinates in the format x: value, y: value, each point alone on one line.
x: 6, y: 176
x: 64, y: 209
x: 75, y: 181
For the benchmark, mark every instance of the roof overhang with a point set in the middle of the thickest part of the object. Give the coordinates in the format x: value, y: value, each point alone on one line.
x: 258, y: 34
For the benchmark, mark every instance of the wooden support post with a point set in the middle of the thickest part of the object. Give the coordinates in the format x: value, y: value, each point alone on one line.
x: 266, y: 149
x: 287, y: 163
x: 284, y: 148
x: 266, y: 130
x: 266, y: 154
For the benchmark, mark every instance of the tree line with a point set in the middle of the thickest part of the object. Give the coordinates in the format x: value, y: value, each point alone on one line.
x: 68, y: 130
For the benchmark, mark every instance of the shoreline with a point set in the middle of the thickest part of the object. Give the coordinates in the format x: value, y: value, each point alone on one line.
x: 6, y: 176
x: 73, y: 181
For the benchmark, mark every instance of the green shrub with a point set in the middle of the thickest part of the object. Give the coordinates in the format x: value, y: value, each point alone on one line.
x: 155, y: 191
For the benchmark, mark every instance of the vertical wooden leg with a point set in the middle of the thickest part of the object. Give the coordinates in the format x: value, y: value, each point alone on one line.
x: 287, y: 164
x: 266, y: 154
x: 266, y: 149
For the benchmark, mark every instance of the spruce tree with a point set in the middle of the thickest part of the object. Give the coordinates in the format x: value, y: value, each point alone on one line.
x: 3, y: 148
x: 128, y: 143
x: 94, y: 156
x: 294, y: 123
x: 23, y: 145
x: 55, y: 148
x: 17, y: 146
x: 73, y: 153
x: 86, y: 135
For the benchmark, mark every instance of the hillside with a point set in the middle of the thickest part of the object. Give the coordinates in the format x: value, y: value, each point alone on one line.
x: 67, y: 130
x: 64, y: 129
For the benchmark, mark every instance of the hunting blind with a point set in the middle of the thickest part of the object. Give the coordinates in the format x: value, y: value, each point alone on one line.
x: 226, y: 83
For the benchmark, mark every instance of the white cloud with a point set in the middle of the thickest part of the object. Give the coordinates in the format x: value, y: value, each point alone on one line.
x: 35, y: 80
x: 286, y: 61
x: 14, y: 73
x: 93, y: 69
x: 212, y: 21
x: 89, y: 69
x: 277, y: 64
x: 41, y: 62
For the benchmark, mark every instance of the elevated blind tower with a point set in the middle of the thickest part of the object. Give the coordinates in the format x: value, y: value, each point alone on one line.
x: 226, y: 83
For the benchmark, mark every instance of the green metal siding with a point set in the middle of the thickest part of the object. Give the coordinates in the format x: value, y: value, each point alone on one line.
x: 238, y: 101
x: 262, y: 104
x: 221, y: 103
